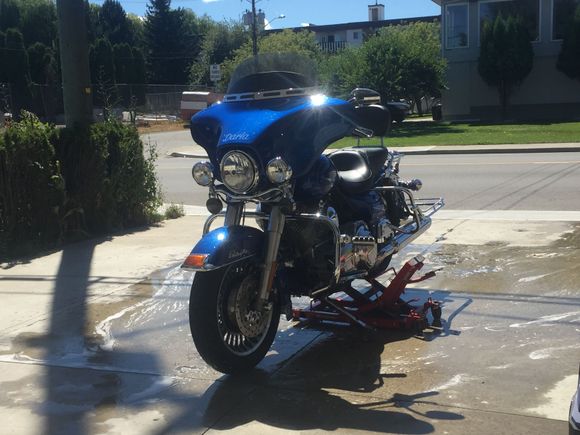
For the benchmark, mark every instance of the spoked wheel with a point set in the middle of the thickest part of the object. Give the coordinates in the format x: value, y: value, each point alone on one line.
x: 231, y: 333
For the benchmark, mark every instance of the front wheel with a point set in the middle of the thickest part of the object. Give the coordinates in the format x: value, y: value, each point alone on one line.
x: 228, y: 330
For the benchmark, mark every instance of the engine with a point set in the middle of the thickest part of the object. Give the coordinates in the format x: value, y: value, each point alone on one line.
x: 361, y: 240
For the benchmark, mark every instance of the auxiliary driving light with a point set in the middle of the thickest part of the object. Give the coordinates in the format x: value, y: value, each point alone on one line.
x: 202, y: 173
x: 278, y: 171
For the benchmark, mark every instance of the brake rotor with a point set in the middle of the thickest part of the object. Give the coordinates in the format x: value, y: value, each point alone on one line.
x: 241, y: 309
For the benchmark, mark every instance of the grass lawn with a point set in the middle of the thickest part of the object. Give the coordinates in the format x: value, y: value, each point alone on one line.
x: 444, y: 133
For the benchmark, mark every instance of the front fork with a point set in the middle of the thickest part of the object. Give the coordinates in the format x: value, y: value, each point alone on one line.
x: 273, y: 235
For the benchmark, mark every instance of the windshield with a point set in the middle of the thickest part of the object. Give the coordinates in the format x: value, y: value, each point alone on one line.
x: 273, y: 72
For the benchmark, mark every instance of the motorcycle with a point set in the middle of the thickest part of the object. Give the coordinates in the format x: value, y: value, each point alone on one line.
x: 320, y: 221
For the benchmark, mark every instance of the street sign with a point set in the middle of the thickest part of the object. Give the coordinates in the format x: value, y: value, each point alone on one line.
x: 215, y: 73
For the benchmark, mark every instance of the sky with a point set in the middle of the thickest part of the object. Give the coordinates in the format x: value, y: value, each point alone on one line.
x: 296, y: 11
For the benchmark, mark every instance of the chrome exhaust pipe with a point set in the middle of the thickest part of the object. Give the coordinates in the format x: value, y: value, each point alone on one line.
x: 409, y: 233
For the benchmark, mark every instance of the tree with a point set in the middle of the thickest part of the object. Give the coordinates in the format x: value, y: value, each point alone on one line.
x: 123, y: 59
x: 103, y: 74
x: 44, y: 78
x: 114, y: 22
x: 136, y: 29
x: 16, y: 68
x: 38, y: 22
x: 41, y: 61
x: 342, y: 72
x: 166, y: 40
x: 506, y: 56
x: 219, y: 43
x: 9, y: 15
x: 569, y: 58
x: 2, y: 51
x: 403, y: 62
x: 94, y: 28
x: 102, y: 63
x: 287, y: 41
x: 139, y: 75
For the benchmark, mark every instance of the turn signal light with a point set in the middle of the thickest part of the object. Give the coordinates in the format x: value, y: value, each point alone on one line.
x: 195, y: 261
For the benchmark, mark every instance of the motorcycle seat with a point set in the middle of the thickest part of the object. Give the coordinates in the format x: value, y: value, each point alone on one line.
x: 358, y: 168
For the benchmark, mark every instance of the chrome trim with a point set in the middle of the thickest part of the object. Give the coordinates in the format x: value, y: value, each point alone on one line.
x: 433, y: 204
x: 209, y: 166
x: 317, y: 217
x: 268, y: 95
x: 423, y: 209
x: 256, y: 179
x: 276, y: 224
x: 411, y: 231
x: 233, y: 214
x: 287, y: 172
x: 267, y: 195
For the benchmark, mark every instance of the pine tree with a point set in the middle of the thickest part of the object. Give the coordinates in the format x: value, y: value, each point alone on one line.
x: 172, y: 42
x: 506, y: 56
x: 569, y: 58
x: 16, y: 69
x: 160, y: 40
x: 123, y: 57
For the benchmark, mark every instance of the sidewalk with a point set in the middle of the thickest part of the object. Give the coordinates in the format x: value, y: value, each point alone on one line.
x: 196, y: 151
x: 95, y: 339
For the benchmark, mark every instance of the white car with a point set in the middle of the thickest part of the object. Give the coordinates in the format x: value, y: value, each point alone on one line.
x: 575, y: 411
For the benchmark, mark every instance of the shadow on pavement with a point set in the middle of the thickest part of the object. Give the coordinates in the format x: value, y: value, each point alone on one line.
x: 330, y: 386
x: 78, y: 381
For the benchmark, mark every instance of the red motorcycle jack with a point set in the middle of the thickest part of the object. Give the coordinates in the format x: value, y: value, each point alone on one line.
x: 380, y: 307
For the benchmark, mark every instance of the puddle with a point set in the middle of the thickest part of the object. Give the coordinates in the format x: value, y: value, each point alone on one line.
x: 497, y: 267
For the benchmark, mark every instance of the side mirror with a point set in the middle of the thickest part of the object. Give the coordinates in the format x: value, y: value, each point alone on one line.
x: 365, y: 97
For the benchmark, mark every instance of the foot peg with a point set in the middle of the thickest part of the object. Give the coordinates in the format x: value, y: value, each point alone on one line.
x: 415, y: 184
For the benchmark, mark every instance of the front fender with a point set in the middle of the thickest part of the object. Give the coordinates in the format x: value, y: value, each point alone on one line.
x: 224, y: 246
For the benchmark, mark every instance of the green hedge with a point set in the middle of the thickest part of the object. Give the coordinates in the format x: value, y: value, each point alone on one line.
x: 63, y: 184
x: 31, y: 186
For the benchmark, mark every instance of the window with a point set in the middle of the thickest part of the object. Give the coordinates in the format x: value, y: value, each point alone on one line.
x: 457, y: 26
x: 562, y: 11
x: 355, y: 35
x: 529, y: 10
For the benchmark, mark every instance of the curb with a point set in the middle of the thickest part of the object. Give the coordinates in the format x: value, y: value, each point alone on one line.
x: 187, y: 155
x: 435, y: 151
x: 494, y: 151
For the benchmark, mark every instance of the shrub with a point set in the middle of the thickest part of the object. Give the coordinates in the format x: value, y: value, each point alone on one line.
x: 174, y: 211
x: 31, y: 186
x: 71, y: 183
x: 108, y: 177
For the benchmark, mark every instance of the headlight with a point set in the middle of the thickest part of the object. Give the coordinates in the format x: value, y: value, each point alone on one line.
x: 239, y: 172
x: 278, y: 171
x: 202, y: 173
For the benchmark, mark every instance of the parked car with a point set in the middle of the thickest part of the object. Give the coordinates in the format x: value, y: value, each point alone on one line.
x: 399, y: 110
x: 574, y: 419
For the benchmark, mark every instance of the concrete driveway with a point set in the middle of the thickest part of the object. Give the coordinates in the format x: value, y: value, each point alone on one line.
x: 93, y: 341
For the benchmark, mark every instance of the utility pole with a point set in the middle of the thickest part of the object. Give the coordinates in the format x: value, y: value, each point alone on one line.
x: 254, y: 29
x: 74, y: 61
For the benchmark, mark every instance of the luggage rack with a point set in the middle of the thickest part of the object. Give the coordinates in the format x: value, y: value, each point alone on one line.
x: 379, y: 308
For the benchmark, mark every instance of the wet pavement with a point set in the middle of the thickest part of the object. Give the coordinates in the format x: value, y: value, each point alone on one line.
x: 505, y: 361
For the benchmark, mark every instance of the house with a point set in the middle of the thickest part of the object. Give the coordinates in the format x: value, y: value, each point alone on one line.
x: 546, y: 92
x: 333, y: 38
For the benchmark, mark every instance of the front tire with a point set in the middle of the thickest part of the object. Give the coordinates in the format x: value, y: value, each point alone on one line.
x: 229, y: 335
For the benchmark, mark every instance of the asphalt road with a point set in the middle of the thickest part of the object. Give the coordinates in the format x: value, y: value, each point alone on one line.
x: 468, y: 182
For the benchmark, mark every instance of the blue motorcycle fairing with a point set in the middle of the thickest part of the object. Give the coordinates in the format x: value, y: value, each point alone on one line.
x: 297, y: 129
x: 227, y: 245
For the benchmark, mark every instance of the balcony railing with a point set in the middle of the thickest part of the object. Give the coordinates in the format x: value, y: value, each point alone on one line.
x: 332, y: 47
